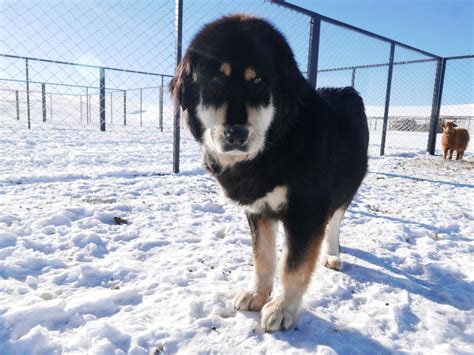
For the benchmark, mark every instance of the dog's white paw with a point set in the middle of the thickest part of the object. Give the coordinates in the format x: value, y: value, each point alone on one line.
x: 333, y: 262
x: 249, y: 301
x: 279, y: 315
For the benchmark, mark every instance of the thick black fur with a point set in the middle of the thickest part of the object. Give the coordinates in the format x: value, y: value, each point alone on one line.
x: 316, y: 145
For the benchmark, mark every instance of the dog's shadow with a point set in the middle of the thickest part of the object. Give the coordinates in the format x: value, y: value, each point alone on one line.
x: 414, y: 178
x: 312, y: 331
x: 443, y: 286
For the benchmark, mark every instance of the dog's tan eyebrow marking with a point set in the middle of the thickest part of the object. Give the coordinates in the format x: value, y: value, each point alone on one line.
x: 226, y: 69
x: 249, y: 74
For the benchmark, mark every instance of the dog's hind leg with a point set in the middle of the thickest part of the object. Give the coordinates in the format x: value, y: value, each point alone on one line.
x: 330, y: 251
x: 263, y: 232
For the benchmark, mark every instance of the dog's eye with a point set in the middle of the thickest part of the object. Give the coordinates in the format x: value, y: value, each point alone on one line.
x: 218, y: 81
x: 256, y: 85
x: 257, y: 81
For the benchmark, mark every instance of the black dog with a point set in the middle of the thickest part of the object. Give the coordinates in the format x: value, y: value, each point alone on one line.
x: 282, y: 150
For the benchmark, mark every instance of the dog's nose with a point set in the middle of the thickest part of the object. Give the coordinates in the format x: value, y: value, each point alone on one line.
x: 236, y: 135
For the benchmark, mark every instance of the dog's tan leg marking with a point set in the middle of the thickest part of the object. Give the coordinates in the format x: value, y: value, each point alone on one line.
x: 282, y: 311
x: 330, y: 250
x: 263, y: 232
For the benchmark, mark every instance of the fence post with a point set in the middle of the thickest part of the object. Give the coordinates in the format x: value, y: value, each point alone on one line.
x: 177, y: 114
x: 17, y: 97
x: 125, y: 107
x: 436, y: 105
x: 111, y: 108
x: 43, y: 100
x: 353, y: 79
x: 87, y: 105
x: 102, y: 99
x: 161, y: 105
x: 313, y: 52
x: 141, y: 98
x: 387, y: 99
x: 27, y: 93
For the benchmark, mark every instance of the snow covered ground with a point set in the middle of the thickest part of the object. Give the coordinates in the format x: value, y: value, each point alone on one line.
x: 103, y: 250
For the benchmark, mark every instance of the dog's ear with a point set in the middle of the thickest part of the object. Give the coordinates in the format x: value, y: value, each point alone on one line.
x: 182, y: 79
x: 290, y: 81
x: 290, y: 78
x: 443, y: 125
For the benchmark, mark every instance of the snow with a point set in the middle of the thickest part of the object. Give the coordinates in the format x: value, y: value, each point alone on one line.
x: 103, y: 250
x: 454, y: 111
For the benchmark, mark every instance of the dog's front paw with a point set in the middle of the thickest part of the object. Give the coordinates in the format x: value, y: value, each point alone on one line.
x: 333, y: 262
x: 249, y: 301
x: 279, y: 315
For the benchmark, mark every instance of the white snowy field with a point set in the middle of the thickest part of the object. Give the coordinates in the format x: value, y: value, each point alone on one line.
x: 460, y: 110
x: 103, y: 251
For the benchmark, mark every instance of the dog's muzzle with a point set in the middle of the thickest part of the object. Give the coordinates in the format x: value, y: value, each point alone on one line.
x: 236, y: 138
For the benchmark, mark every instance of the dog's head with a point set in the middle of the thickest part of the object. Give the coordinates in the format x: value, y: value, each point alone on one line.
x: 448, y: 127
x: 238, y: 85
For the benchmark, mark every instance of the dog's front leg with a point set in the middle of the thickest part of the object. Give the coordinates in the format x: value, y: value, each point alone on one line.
x: 298, y: 262
x: 263, y: 232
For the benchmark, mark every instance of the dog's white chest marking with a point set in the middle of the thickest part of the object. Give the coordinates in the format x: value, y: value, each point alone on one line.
x: 273, y: 200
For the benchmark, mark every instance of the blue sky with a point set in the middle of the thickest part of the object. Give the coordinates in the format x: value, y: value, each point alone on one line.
x: 442, y: 27
x: 139, y: 35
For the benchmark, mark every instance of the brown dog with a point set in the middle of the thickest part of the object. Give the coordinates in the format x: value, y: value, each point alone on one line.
x: 288, y: 154
x: 454, y: 139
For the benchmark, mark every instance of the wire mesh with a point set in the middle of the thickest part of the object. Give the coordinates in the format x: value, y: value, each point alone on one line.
x: 134, y: 44
x: 411, y: 100
x: 60, y: 59
x: 458, y: 97
x: 122, y: 34
x: 136, y: 36
x: 293, y: 25
x: 348, y: 58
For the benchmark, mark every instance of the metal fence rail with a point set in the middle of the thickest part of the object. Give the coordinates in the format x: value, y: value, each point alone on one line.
x: 86, y: 92
x: 406, y: 89
x: 120, y: 76
x: 458, y: 75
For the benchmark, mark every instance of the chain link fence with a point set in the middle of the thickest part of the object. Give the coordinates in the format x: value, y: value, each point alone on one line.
x: 397, y: 84
x: 106, y: 65
x: 411, y: 99
x: 67, y: 95
x: 349, y: 58
x: 60, y: 59
x: 402, y: 86
x: 458, y: 96
x: 294, y: 25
